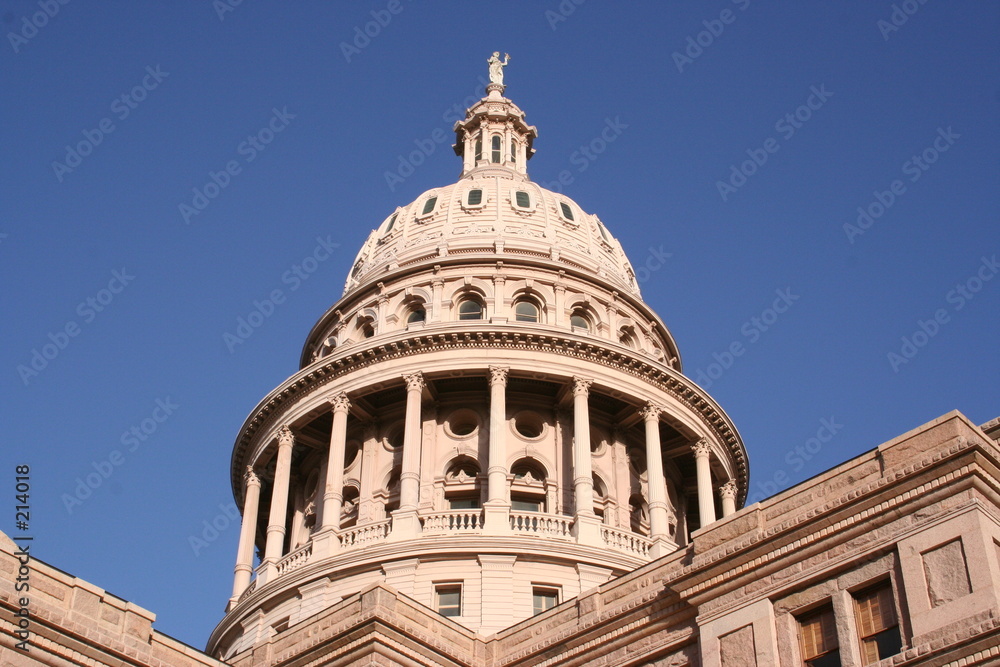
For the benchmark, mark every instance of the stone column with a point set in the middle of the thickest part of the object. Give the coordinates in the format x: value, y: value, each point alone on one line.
x: 656, y: 483
x: 497, y: 507
x: 405, y: 523
x: 279, y: 503
x: 587, y: 525
x: 437, y: 287
x: 326, y: 541
x: 248, y: 531
x: 706, y: 503
x: 728, y: 493
x: 499, y: 310
x: 560, y: 305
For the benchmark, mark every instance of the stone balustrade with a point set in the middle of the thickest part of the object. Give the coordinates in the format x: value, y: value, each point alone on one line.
x: 295, y: 559
x: 359, y: 536
x: 546, y: 525
x: 627, y: 541
x: 453, y: 521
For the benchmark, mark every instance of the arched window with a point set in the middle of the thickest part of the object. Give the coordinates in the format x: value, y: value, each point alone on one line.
x: 495, y: 155
x: 579, y: 320
x: 418, y: 314
x: 479, y: 149
x: 367, y: 330
x: 525, y: 311
x: 470, y: 309
x: 513, y: 151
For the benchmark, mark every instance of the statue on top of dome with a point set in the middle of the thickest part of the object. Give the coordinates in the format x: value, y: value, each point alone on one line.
x: 496, y: 67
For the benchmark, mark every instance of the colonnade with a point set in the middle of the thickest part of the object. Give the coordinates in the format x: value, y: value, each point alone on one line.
x: 405, y: 520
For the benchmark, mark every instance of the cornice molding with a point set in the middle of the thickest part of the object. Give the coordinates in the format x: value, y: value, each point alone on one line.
x: 325, y: 370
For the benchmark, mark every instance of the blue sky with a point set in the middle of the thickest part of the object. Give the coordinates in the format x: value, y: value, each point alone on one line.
x: 747, y: 135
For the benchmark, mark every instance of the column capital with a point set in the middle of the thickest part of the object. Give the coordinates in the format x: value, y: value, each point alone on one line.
x: 415, y: 381
x: 728, y: 490
x: 701, y: 448
x: 581, y: 385
x: 650, y: 412
x: 498, y: 375
x: 285, y: 436
x: 340, y: 402
x: 250, y: 477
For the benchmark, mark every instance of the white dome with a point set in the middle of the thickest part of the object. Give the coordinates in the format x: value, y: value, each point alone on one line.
x: 510, y: 216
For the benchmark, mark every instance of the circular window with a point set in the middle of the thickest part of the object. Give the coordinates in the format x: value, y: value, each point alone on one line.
x: 529, y: 425
x: 395, y: 440
x: 462, y: 423
x: 351, y: 450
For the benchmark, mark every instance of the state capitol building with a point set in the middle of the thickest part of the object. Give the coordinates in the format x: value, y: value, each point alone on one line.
x: 491, y: 457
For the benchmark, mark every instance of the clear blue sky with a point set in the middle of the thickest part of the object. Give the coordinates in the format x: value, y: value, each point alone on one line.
x: 864, y: 98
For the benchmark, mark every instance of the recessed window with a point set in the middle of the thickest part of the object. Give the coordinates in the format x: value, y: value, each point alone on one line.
x: 463, y: 503
x: 495, y: 155
x: 877, y: 624
x: 475, y: 197
x: 543, y: 599
x: 513, y: 151
x: 579, y: 321
x: 604, y: 232
x: 525, y: 505
x: 522, y: 199
x: 470, y: 309
x: 392, y: 223
x: 429, y: 205
x: 479, y: 149
x: 525, y: 311
x: 566, y: 211
x: 448, y: 599
x: 416, y: 315
x: 818, y: 635
x: 367, y: 330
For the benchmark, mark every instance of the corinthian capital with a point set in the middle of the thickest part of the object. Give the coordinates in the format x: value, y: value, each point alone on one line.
x: 498, y: 375
x: 250, y: 477
x: 340, y: 403
x: 701, y: 448
x: 581, y: 386
x: 415, y: 381
x: 728, y: 490
x: 285, y: 436
x: 651, y: 411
